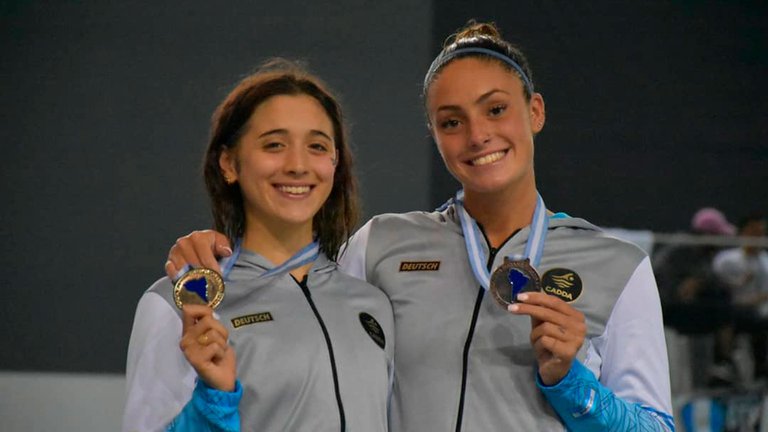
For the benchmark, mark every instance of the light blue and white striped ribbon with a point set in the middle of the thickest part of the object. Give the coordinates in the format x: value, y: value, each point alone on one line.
x: 534, y: 247
x: 306, y: 255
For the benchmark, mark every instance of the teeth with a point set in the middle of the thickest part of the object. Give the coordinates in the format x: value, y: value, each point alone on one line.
x: 493, y: 157
x: 294, y: 190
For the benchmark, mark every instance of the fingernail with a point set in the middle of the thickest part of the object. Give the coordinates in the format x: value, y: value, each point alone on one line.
x: 227, y: 250
x: 513, y: 308
x: 181, y: 272
x: 522, y: 297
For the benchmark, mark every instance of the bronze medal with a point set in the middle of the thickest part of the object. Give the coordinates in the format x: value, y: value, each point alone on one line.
x: 200, y: 286
x: 513, y: 278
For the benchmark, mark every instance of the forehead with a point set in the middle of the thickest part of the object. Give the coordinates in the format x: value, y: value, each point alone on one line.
x: 467, y: 78
x: 291, y: 112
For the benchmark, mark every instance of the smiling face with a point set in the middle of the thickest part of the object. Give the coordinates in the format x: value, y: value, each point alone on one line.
x: 284, y: 162
x: 483, y: 125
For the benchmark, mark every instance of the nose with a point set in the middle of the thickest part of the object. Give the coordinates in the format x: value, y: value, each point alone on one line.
x: 479, y: 132
x: 296, y: 161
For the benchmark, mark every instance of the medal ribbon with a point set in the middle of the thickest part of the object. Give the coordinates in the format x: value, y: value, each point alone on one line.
x: 306, y: 255
x: 534, y: 247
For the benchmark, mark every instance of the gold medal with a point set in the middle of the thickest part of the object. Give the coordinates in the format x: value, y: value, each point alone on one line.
x: 513, y: 278
x: 200, y: 286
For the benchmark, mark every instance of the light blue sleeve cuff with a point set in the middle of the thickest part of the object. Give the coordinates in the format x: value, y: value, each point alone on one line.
x: 209, y: 410
x: 586, y: 405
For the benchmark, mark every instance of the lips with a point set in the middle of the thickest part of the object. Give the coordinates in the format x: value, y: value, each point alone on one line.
x: 487, y: 159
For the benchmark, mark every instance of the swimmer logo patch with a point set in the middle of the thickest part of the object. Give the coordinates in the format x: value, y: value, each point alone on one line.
x: 372, y: 327
x: 562, y: 283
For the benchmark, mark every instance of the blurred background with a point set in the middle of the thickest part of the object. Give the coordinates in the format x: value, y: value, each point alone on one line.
x: 654, y: 110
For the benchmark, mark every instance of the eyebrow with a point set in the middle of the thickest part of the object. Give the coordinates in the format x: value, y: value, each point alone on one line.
x: 483, y: 97
x: 312, y: 132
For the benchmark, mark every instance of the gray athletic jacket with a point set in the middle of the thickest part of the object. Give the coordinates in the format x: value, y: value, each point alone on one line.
x: 283, y: 334
x: 465, y: 364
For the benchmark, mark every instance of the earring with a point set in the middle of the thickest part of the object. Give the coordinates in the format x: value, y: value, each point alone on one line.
x: 228, y: 180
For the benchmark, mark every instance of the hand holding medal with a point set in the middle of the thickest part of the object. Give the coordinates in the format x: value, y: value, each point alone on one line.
x: 204, y: 340
x: 557, y: 332
x: 204, y: 344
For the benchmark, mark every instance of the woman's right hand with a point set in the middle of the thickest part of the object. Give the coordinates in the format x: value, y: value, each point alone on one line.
x: 204, y: 344
x: 197, y: 249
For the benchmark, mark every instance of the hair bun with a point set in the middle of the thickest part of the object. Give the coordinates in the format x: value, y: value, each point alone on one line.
x: 474, y: 29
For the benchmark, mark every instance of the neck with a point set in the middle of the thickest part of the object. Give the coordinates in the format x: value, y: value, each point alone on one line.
x: 275, y: 241
x: 502, y: 212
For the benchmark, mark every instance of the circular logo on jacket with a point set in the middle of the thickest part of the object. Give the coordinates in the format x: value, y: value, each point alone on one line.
x: 374, y: 330
x: 562, y: 283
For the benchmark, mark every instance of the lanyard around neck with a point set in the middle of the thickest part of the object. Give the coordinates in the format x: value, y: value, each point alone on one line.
x: 305, y: 255
x: 534, y: 247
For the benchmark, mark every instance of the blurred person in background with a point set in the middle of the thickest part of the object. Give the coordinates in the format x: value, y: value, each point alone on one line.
x: 745, y: 271
x: 694, y: 300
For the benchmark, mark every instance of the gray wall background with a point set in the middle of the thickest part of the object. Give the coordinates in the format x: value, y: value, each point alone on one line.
x: 105, y: 109
x: 654, y: 109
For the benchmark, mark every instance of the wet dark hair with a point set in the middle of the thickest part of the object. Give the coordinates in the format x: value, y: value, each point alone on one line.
x: 335, y: 220
x: 485, y: 36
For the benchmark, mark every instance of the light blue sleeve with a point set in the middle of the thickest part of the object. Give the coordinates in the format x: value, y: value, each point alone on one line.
x: 586, y: 405
x: 209, y: 410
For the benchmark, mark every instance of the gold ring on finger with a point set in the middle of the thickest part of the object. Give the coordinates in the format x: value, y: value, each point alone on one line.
x: 203, y: 339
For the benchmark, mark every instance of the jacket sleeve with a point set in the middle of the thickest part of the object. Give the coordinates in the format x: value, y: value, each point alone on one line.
x: 209, y: 410
x: 159, y: 380
x: 585, y: 405
x: 623, y: 383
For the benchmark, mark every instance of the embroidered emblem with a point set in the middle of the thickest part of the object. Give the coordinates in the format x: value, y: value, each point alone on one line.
x: 562, y: 283
x: 374, y: 330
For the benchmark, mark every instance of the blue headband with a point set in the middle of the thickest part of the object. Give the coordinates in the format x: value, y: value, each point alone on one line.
x: 443, y: 59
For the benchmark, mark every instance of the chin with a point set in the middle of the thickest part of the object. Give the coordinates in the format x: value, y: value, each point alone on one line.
x: 486, y: 186
x: 297, y: 220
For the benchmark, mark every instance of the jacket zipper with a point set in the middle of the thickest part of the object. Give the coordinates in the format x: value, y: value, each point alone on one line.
x: 465, y: 359
x: 305, y: 290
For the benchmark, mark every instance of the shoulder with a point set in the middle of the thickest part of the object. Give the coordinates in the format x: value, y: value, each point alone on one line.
x: 419, y: 219
x: 579, y: 236
x: 409, y: 229
x: 161, y: 286
x: 357, y: 288
x: 161, y: 289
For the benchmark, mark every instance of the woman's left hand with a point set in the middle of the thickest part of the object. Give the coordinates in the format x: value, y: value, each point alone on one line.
x: 557, y: 333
